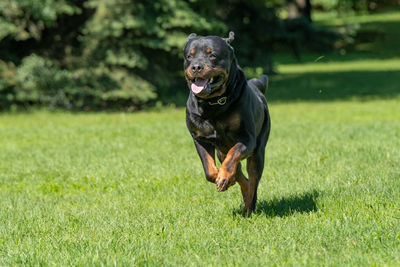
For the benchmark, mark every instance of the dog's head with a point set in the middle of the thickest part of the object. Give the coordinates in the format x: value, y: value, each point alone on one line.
x: 207, y: 64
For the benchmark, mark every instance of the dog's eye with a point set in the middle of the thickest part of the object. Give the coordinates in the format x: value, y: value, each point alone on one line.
x: 213, y: 56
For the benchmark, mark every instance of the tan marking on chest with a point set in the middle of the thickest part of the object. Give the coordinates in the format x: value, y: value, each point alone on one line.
x: 233, y: 122
x: 197, y: 133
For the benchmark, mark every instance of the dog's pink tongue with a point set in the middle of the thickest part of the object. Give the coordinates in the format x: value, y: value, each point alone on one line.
x: 198, y: 86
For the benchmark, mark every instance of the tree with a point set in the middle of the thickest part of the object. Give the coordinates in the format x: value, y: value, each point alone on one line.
x: 92, y: 54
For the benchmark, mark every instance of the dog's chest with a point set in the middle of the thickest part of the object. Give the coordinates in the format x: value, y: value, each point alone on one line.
x: 221, y: 133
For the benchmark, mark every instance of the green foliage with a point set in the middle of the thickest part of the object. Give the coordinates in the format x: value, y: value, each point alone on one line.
x: 40, y: 81
x: 24, y: 19
x: 7, y: 82
x: 144, y: 38
x: 122, y: 33
x: 54, y: 69
x: 95, y: 54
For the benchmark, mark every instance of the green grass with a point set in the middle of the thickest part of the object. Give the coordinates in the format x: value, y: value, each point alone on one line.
x: 128, y: 189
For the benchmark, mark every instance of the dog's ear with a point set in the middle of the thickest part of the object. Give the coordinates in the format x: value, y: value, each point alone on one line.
x: 230, y: 38
x: 191, y: 36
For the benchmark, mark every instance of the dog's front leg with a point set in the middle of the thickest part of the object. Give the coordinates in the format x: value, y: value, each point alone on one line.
x: 226, y: 174
x: 207, y: 155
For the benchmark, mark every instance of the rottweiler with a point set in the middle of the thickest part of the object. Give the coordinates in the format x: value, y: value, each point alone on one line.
x: 227, y: 113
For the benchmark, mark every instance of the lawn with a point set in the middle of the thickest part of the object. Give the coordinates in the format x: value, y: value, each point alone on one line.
x: 128, y: 189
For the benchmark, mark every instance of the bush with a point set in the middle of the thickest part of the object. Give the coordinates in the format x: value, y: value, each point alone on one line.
x: 40, y: 81
x: 94, y: 54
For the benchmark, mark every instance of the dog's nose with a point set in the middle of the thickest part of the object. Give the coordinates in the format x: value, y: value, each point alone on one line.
x: 197, y: 67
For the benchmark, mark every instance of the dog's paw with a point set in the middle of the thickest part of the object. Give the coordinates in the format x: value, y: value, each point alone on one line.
x: 224, y: 181
x: 246, y: 212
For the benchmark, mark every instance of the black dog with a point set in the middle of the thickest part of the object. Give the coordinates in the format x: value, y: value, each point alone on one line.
x: 226, y: 112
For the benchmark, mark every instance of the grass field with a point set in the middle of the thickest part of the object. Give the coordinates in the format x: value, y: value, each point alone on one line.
x: 128, y: 189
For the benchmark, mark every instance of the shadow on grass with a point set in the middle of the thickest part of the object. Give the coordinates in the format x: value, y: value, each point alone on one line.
x: 286, y: 206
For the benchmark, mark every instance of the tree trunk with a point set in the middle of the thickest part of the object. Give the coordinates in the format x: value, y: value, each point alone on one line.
x: 305, y: 7
x: 299, y: 8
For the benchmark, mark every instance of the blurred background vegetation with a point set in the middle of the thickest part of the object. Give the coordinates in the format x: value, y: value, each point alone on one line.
x: 127, y: 55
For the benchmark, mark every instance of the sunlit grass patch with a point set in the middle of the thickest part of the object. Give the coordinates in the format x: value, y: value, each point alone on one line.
x: 350, y: 66
x: 128, y: 189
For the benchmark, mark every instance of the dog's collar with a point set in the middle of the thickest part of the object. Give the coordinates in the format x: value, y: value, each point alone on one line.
x: 221, y: 101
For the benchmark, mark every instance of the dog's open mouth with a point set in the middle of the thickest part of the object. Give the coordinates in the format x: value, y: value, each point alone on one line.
x: 206, y: 86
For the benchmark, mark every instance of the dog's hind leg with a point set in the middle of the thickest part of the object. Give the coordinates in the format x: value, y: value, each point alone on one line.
x: 255, y: 167
x: 242, y: 181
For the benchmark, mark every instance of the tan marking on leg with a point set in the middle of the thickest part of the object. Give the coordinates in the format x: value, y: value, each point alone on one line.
x: 212, y: 170
x: 226, y: 175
